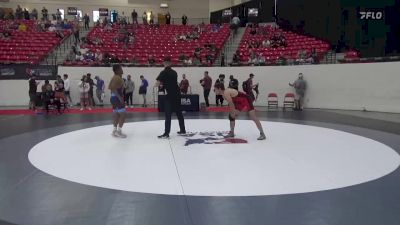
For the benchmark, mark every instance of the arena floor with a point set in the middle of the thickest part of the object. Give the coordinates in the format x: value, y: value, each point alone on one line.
x: 318, y: 167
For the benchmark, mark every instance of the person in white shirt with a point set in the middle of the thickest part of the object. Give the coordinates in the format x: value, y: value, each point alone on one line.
x: 67, y: 87
x: 84, y: 87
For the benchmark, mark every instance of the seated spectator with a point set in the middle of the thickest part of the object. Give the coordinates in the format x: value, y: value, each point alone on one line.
x: 46, y: 86
x: 209, y: 58
x: 266, y: 43
x: 314, y: 56
x: 261, y: 59
x: 197, y: 60
x: 182, y: 57
x: 49, y: 98
x: 253, y: 31
x: 281, y: 60
x: 188, y: 61
x: 79, y: 56
x: 60, y: 34
x: 151, y: 60
x: 22, y: 27
x: 235, y: 60
x: 52, y: 28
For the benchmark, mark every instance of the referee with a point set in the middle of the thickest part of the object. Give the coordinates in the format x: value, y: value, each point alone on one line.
x: 169, y: 79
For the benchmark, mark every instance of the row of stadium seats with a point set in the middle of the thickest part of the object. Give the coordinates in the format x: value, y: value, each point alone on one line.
x: 157, y: 42
x: 28, y: 46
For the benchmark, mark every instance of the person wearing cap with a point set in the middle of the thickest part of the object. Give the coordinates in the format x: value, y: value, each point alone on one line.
x: 300, y: 86
x: 169, y: 79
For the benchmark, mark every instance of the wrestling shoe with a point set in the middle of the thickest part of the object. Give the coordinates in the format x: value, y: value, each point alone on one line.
x: 181, y: 132
x: 164, y: 136
x: 120, y: 134
x: 230, y: 135
x: 262, y: 137
x: 114, y: 133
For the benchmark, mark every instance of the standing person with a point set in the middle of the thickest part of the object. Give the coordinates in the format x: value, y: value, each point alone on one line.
x: 129, y: 89
x: 32, y: 92
x: 76, y: 33
x: 184, y: 85
x: 248, y: 87
x: 143, y: 89
x: 168, y: 18
x: 100, y: 89
x: 219, y: 98
x: 151, y: 18
x: 45, y: 14
x: 34, y: 14
x: 206, y: 82
x: 233, y: 83
x: 169, y: 79
x: 91, y: 85
x: 144, y: 18
x: 134, y: 17
x: 26, y: 14
x: 116, y: 87
x: 300, y: 86
x: 84, y: 93
x: 239, y: 101
x: 67, y: 86
x: 58, y: 15
x: 86, y: 19
x: 184, y: 19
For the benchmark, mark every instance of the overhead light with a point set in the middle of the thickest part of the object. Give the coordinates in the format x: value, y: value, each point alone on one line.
x: 163, y: 5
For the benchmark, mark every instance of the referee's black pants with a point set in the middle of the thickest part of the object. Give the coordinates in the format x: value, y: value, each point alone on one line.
x: 173, y: 105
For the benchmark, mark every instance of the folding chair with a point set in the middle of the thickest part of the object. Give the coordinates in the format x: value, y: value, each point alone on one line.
x: 272, y: 100
x: 288, y: 101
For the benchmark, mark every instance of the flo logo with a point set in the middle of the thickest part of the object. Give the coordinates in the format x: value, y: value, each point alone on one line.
x: 211, y: 137
x: 373, y: 15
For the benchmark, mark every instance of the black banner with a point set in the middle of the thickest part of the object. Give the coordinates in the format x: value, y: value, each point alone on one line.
x: 25, y: 71
x: 188, y: 103
x: 103, y: 12
x: 72, y: 11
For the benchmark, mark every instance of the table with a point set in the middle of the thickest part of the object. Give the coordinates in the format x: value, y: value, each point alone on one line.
x: 188, y: 102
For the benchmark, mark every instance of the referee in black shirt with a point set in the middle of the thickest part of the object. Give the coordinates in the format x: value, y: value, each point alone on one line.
x: 169, y: 79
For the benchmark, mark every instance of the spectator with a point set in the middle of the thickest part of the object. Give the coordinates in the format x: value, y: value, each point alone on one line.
x: 22, y: 27
x: 100, y: 90
x: 314, y: 55
x: 26, y: 14
x: 219, y: 99
x: 86, y: 19
x: 90, y: 81
x: 2, y: 14
x: 233, y: 83
x: 266, y: 43
x: 222, y: 59
x: 34, y: 14
x: 18, y: 13
x: 84, y: 93
x: 151, y: 60
x: 300, y: 88
x: 46, y: 86
x: 59, y: 89
x: 235, y: 23
x: 168, y: 18
x: 248, y: 87
x: 143, y: 89
x: 235, y: 60
x: 129, y: 89
x: 261, y: 59
x: 188, y: 61
x: 49, y: 98
x: 184, y: 85
x: 33, y: 92
x: 184, y: 19
x: 58, y: 15
x: 144, y: 18
x: 206, y: 82
x: 45, y: 14
x: 67, y: 87
x: 151, y: 18
x: 134, y: 17
x: 76, y: 33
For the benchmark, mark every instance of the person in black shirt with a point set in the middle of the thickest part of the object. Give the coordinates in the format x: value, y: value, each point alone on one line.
x: 91, y: 83
x: 168, y: 18
x: 169, y: 79
x: 32, y: 92
x: 233, y: 83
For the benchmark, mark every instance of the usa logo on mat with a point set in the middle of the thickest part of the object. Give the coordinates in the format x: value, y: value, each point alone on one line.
x: 211, y: 137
